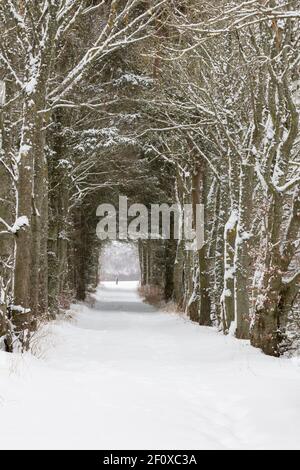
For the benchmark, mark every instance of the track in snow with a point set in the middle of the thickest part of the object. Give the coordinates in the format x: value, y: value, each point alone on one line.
x: 123, y: 375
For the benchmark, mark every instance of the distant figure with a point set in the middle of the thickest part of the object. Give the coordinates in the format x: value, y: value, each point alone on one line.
x: 117, y: 280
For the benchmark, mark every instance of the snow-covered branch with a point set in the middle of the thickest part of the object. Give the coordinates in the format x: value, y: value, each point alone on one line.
x: 19, y: 224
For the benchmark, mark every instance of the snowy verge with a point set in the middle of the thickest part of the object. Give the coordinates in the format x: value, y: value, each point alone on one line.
x: 122, y: 374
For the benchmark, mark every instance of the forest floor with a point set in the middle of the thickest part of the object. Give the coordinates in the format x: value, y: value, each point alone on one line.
x: 122, y: 375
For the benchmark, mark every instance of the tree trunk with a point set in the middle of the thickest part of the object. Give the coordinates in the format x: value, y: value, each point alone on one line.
x: 21, y: 310
x: 242, y: 258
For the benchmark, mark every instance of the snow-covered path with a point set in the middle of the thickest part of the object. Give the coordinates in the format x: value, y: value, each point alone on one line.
x: 123, y: 375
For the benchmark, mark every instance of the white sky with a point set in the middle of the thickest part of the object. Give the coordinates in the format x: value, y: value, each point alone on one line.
x: 119, y: 259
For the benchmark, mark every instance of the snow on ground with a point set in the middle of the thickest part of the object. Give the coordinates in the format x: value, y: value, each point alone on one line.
x: 123, y: 375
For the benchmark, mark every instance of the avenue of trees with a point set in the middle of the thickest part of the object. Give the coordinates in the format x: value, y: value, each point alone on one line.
x: 186, y: 101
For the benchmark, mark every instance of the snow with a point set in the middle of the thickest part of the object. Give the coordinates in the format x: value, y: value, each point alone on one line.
x: 2, y: 92
x: 20, y: 223
x: 232, y: 221
x: 24, y: 149
x: 19, y: 309
x: 133, y: 79
x: 31, y: 86
x: 122, y: 375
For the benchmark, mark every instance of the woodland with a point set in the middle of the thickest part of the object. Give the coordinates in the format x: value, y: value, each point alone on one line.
x: 163, y: 101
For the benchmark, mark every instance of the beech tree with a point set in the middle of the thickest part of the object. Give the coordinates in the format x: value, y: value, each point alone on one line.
x: 37, y: 30
x: 234, y: 101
